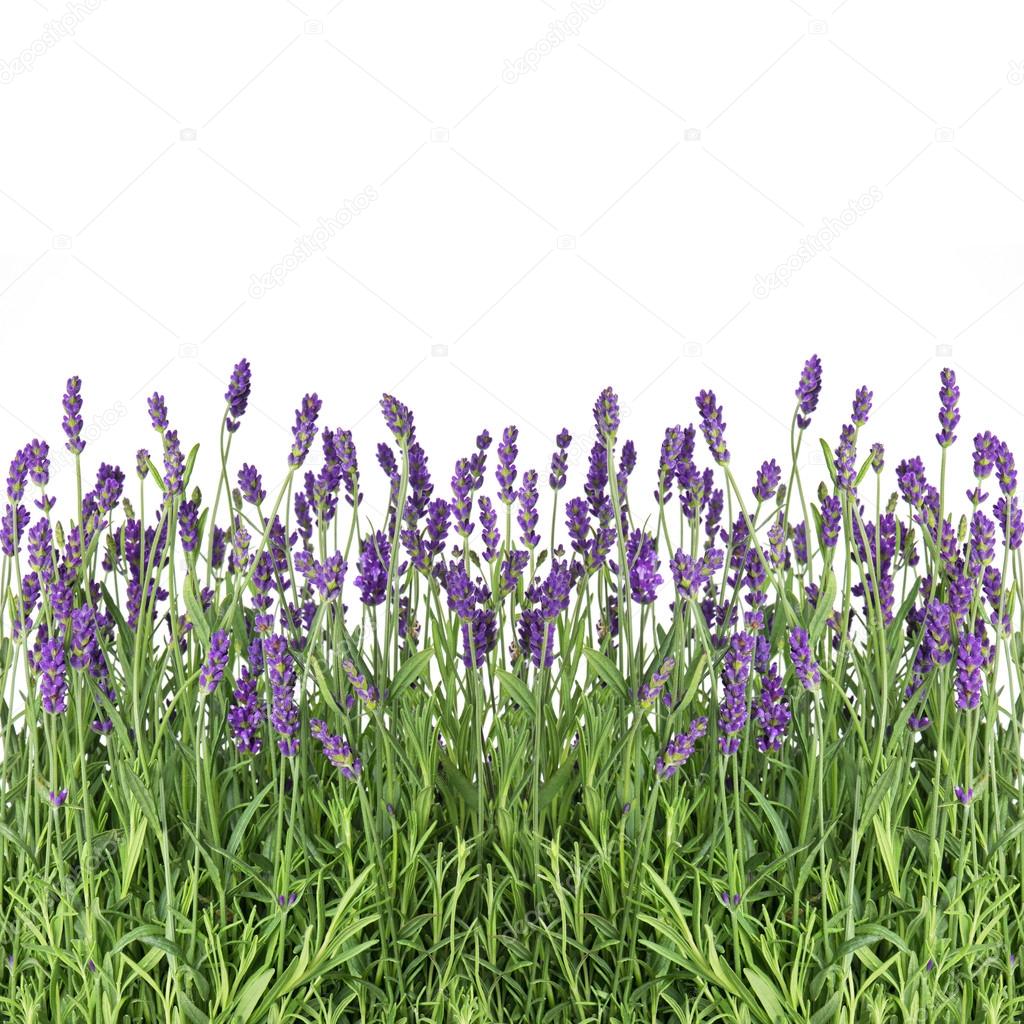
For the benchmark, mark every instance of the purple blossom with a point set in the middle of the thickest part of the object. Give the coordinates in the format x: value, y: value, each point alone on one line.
x: 337, y: 750
x: 490, y: 534
x: 650, y: 693
x: 246, y: 714
x: 949, y: 414
x: 772, y: 712
x: 58, y: 797
x: 831, y: 514
x: 157, y: 411
x: 767, y: 483
x: 970, y: 680
x: 643, y: 563
x: 284, y: 713
x: 398, y: 417
x: 237, y: 396
x: 560, y: 460
x: 250, y: 484
x: 527, y: 515
x: 366, y: 692
x: 304, y: 431
x: 804, y: 666
x: 808, y: 390
x: 374, y: 558
x: 212, y: 670
x: 965, y: 796
x: 733, y: 709
x: 861, y: 406
x: 712, y: 426
x: 606, y: 415
x: 680, y: 749
x: 506, y: 471
x: 53, y: 684
x: 72, y: 422
x: 188, y: 525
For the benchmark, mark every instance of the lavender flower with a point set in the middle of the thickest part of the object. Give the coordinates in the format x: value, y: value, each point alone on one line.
x: 250, y: 484
x: 606, y: 415
x: 336, y: 750
x: 965, y: 796
x: 245, y: 716
x: 489, y: 527
x: 72, y: 422
x: 527, y: 515
x: 772, y: 713
x: 949, y: 414
x: 831, y: 513
x: 374, y: 557
x: 188, y: 525
x: 560, y: 460
x: 877, y: 457
x: 643, y: 562
x: 366, y: 692
x: 53, y: 685
x: 506, y: 471
x: 157, y: 411
x: 650, y: 693
x: 304, y: 431
x: 808, y: 390
x: 804, y: 665
x: 969, y: 678
x: 237, y: 396
x: 733, y: 709
x: 768, y: 478
x: 680, y: 749
x: 284, y: 713
x: 712, y: 426
x: 58, y: 797
x: 212, y: 671
x: 861, y: 406
x: 398, y: 418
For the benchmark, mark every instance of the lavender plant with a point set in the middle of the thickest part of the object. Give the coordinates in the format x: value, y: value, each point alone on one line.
x: 512, y: 753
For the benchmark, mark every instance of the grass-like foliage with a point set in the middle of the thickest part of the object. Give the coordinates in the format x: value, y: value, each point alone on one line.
x: 724, y: 753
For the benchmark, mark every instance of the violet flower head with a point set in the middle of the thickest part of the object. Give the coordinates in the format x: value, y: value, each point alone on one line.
x: 462, y: 502
x: 537, y: 637
x: 157, y: 412
x: 712, y: 426
x: 38, y: 454
x: 53, y: 684
x: 374, y: 558
x: 560, y: 460
x: 970, y: 679
x: 237, y: 396
x: 527, y: 515
x: 17, y: 478
x: 284, y: 713
x: 1006, y: 472
x: 212, y: 670
x: 506, y: 471
x: 174, y: 464
x: 246, y: 714
x: 142, y: 463
x: 831, y: 514
x: 804, y: 666
x: 680, y: 749
x: 1011, y: 521
x: 479, y: 637
x: 772, y: 712
x: 733, y: 709
x: 606, y: 415
x: 643, y: 562
x: 768, y: 478
x: 949, y: 414
x: 250, y: 484
x: 72, y: 422
x: 398, y: 418
x: 862, y: 406
x: 965, y: 796
x: 650, y: 693
x: 188, y: 526
x: 490, y: 534
x: 337, y: 750
x: 304, y: 431
x: 986, y: 448
x: 878, y: 457
x: 808, y: 390
x: 366, y: 692
x: 58, y: 797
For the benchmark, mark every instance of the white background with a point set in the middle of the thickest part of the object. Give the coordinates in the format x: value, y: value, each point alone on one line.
x: 562, y: 197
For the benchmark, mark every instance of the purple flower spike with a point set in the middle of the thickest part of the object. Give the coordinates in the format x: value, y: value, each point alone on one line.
x: 304, y: 431
x: 72, y: 422
x: 337, y: 750
x: 237, y: 396
x: 773, y: 714
x: 188, y: 525
x: 288, y: 900
x: 560, y: 460
x: 53, y: 684
x: 712, y: 426
x: 733, y: 709
x: 246, y: 714
x: 768, y: 478
x: 374, y: 557
x: 366, y: 692
x: 804, y: 665
x: 650, y: 693
x: 949, y: 414
x: 527, y: 515
x: 1006, y: 472
x: 57, y: 798
x: 506, y: 471
x: 142, y: 463
x: 970, y: 679
x: 680, y: 749
x: 965, y: 796
x: 643, y: 562
x: 216, y: 662
x: 831, y: 513
x: 606, y: 415
x: 862, y: 406
x: 877, y: 457
x: 157, y: 412
x: 808, y: 390
x: 398, y: 418
x: 284, y: 713
x: 250, y: 483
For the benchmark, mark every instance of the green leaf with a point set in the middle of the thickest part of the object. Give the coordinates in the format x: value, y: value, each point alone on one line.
x: 513, y: 689
x: 410, y: 670
x: 251, y: 994
x: 603, y: 666
x: 196, y: 615
x: 823, y: 609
